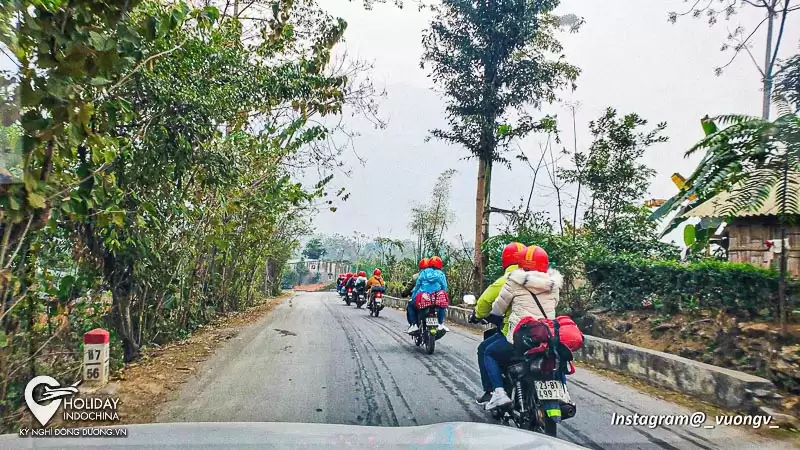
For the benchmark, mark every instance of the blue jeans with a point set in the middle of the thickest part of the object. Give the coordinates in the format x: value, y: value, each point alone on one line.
x: 481, y: 360
x: 411, y: 313
x: 498, y: 352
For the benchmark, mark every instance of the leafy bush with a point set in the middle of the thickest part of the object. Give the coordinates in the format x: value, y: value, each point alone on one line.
x: 625, y: 282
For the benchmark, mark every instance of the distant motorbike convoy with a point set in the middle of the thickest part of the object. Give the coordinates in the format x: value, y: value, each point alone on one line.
x: 525, y: 356
x: 356, y: 289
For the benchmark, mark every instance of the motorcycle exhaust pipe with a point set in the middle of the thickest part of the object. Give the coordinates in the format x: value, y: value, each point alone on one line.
x: 567, y: 411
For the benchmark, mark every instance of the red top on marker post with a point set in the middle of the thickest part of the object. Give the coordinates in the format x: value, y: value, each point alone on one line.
x: 96, y: 336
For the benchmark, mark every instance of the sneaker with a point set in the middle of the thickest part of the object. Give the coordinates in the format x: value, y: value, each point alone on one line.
x: 413, y: 328
x: 444, y: 327
x: 484, y: 399
x: 499, y: 398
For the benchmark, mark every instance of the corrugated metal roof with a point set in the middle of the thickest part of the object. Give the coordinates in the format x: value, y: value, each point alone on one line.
x: 714, y: 206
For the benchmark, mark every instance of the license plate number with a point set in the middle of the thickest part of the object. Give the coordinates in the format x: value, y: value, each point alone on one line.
x: 432, y: 321
x: 378, y: 300
x: 549, y: 390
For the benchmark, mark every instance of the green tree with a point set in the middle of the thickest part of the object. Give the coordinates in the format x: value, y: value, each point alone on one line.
x: 387, y: 246
x: 152, y: 170
x: 615, y: 180
x: 10, y: 154
x: 314, y: 249
x: 787, y: 82
x: 490, y: 58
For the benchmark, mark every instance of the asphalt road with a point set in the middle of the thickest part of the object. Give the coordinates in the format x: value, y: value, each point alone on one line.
x: 313, y: 359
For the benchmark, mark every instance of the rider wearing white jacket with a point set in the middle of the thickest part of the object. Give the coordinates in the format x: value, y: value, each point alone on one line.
x: 534, y: 276
x: 516, y: 293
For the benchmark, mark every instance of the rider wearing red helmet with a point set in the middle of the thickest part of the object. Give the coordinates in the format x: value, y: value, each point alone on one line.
x: 430, y: 280
x: 508, y: 260
x: 350, y: 280
x: 375, y: 283
x: 361, y: 279
x: 530, y: 291
x: 340, y: 281
x: 376, y: 279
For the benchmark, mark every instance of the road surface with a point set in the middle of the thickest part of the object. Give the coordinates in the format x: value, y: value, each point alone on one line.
x: 313, y: 359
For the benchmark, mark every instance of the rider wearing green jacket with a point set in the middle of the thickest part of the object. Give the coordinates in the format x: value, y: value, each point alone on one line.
x: 483, y: 309
x: 484, y: 305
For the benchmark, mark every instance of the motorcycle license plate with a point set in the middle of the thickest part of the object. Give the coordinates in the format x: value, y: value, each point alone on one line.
x: 432, y: 321
x: 549, y: 390
x: 378, y: 300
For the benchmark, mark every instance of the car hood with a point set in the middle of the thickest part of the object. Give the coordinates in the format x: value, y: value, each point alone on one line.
x: 305, y: 435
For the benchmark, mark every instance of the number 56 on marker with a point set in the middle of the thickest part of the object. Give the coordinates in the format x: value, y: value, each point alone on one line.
x: 96, y: 356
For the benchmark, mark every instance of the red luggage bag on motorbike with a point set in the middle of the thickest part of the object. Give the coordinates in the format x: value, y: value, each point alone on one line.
x: 531, y: 335
x: 438, y: 298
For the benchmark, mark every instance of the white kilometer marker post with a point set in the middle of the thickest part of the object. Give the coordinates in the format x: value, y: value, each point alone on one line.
x: 95, y: 358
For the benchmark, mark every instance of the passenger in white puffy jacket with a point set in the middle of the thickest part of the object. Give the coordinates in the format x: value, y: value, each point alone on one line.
x: 533, y: 277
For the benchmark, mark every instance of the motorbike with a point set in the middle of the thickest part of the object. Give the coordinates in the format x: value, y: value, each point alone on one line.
x: 536, y: 384
x: 348, y: 298
x: 360, y: 296
x: 428, y: 323
x: 376, y: 300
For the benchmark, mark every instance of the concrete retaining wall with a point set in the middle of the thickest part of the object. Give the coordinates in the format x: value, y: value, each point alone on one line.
x: 719, y: 386
x: 454, y: 313
x: 723, y: 387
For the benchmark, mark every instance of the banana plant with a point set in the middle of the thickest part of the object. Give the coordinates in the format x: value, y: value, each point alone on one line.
x: 688, y: 197
x: 698, y: 237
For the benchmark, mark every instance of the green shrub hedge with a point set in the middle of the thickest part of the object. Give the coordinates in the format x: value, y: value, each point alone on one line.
x: 624, y: 282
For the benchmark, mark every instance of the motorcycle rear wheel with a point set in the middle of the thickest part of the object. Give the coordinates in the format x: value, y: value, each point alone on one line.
x: 430, y: 344
x: 550, y: 427
x: 547, y: 426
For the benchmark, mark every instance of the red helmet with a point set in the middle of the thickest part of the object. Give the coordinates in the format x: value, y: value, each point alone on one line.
x: 436, y: 262
x: 509, y: 256
x: 424, y: 263
x: 534, y: 258
x: 376, y: 272
x: 361, y: 273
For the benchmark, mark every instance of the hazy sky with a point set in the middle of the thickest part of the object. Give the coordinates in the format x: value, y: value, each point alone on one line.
x: 631, y: 58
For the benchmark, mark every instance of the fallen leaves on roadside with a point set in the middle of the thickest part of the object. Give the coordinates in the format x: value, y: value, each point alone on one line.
x: 144, y: 386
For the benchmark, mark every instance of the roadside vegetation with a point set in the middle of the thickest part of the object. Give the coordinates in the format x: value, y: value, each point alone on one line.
x: 148, y: 187
x: 150, y: 152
